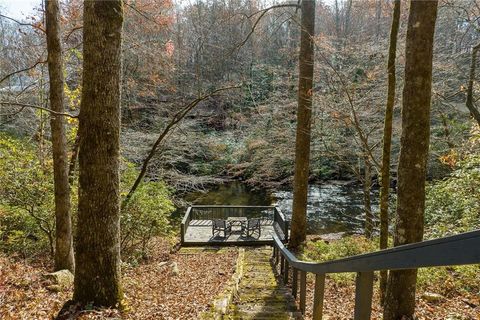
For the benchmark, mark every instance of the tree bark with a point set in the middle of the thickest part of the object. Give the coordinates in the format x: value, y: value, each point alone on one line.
x: 304, y: 115
x: 469, y: 102
x: 367, y: 186
x: 400, y: 295
x: 387, y: 140
x: 73, y: 159
x: 378, y: 18
x: 63, y: 222
x: 97, y: 276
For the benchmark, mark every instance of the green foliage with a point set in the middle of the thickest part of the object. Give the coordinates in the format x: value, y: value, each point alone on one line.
x: 453, y: 204
x: 26, y: 191
x: 260, y: 87
x: 321, y: 251
x: 146, y: 215
x: 450, y: 280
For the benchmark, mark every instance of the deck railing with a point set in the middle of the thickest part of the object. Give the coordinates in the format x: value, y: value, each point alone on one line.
x: 460, y: 249
x: 210, y: 212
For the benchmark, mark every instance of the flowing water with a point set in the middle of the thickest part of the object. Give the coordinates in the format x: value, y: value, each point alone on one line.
x: 332, y: 207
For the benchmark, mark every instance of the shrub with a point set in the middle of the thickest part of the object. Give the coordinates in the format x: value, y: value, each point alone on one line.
x: 321, y: 251
x: 26, y: 191
x: 146, y: 215
x: 453, y: 205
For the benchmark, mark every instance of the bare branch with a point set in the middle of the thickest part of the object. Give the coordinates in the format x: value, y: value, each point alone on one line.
x: 26, y: 105
x: 175, y: 120
x: 22, y: 70
x: 23, y: 23
x: 262, y: 12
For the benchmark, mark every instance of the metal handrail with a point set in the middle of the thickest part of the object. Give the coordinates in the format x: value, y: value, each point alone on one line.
x: 461, y: 249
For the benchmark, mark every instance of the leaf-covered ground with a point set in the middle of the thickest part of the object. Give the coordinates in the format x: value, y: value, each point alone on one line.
x: 152, y: 289
x: 340, y: 297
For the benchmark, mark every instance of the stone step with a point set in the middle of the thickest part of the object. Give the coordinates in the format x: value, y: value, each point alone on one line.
x: 267, y: 315
x: 266, y: 299
x: 260, y: 294
x: 264, y: 307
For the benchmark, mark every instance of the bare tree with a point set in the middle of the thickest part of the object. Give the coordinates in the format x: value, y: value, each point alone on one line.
x: 304, y: 115
x: 387, y: 139
x: 97, y: 275
x: 400, y: 295
x: 470, y: 102
x: 63, y: 222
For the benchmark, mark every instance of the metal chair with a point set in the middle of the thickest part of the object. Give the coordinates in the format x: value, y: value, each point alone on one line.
x: 221, y: 225
x: 251, y: 226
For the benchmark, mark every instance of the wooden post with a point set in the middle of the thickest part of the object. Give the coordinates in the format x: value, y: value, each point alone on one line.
x: 303, y: 290
x: 294, y: 282
x: 318, y: 297
x: 363, y: 295
x: 182, y: 234
x: 285, y: 273
x: 282, y: 264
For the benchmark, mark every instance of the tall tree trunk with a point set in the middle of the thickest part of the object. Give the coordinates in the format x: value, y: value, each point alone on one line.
x: 97, y: 276
x: 367, y: 200
x: 400, y: 295
x: 63, y: 222
x: 469, y: 103
x: 304, y: 114
x: 387, y: 140
x: 378, y: 18
x: 73, y: 159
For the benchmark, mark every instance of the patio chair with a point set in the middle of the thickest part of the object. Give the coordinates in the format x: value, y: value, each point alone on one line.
x: 251, y: 226
x: 221, y: 225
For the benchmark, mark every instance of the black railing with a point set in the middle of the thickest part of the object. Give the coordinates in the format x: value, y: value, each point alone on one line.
x: 460, y: 249
x: 210, y: 212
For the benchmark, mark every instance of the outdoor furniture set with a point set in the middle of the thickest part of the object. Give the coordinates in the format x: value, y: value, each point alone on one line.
x: 248, y: 227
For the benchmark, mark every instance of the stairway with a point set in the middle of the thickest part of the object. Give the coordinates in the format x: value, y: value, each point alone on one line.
x: 260, y: 294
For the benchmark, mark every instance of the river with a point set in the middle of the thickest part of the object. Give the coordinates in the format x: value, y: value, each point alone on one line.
x: 332, y: 207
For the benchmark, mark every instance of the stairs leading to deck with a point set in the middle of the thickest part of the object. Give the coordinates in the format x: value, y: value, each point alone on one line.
x: 260, y: 294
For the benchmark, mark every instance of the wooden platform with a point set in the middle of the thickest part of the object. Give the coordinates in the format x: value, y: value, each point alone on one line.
x: 199, y: 232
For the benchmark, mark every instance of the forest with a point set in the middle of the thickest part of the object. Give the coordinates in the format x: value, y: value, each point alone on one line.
x: 359, y: 119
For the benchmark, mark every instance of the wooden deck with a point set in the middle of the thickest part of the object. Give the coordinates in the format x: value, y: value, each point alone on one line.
x: 199, y: 232
x: 196, y: 227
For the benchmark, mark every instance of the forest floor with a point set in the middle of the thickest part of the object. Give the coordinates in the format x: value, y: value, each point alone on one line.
x: 339, y: 303
x: 155, y: 290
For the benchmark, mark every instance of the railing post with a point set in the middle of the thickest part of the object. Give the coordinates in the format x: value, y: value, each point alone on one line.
x: 182, y: 234
x: 294, y: 282
x: 363, y: 295
x: 285, y: 272
x: 318, y: 297
x: 303, y: 291
x: 286, y: 230
x: 282, y: 264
